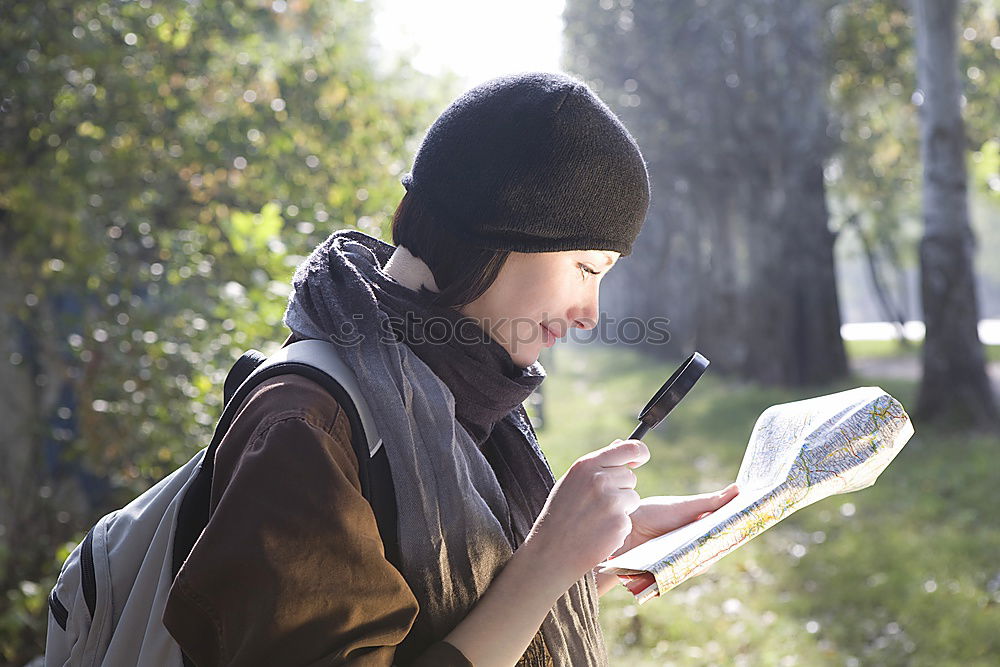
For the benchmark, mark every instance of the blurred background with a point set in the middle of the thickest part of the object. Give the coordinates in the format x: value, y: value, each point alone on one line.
x: 825, y: 207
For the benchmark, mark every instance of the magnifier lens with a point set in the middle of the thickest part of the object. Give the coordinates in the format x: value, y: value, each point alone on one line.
x: 671, y: 393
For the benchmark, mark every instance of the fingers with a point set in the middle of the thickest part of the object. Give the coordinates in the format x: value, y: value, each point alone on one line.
x: 709, y: 502
x: 728, y: 493
x: 619, y: 477
x: 631, y: 501
x: 724, y: 495
x: 632, y: 453
x: 703, y: 504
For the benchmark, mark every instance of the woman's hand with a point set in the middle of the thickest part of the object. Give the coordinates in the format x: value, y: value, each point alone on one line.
x: 586, y: 516
x: 658, y: 515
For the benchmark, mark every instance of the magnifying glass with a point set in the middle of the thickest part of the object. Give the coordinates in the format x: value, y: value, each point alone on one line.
x: 670, y: 394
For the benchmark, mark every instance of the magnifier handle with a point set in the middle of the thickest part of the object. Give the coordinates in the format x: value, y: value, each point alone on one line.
x: 639, y: 431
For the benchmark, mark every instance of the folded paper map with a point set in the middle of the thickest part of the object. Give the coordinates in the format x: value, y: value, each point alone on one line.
x: 798, y: 453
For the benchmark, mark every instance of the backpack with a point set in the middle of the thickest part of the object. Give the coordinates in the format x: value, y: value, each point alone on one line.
x: 107, y: 604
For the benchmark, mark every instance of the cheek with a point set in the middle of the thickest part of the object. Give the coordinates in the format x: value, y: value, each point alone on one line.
x: 517, y: 302
x: 532, y: 297
x: 528, y: 292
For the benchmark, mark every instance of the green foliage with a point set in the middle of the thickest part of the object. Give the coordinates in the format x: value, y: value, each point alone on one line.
x: 902, y: 573
x: 163, y: 169
x: 984, y: 168
x: 875, y: 173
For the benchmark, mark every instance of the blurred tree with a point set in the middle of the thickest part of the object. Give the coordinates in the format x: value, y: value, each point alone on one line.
x: 954, y: 382
x: 728, y: 102
x: 163, y: 168
x: 873, y: 176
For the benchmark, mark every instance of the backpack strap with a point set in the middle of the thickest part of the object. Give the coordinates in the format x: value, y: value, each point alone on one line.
x: 323, y: 356
x: 373, y: 462
x: 320, y: 362
x: 238, y: 374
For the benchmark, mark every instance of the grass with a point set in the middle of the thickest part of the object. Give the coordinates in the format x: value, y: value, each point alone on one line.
x: 902, y: 573
x: 870, y: 349
x: 867, y: 349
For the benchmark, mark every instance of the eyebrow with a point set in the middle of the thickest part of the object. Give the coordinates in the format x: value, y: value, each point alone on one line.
x: 608, y: 258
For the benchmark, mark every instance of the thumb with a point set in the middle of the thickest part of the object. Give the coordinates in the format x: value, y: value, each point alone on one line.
x: 715, y: 500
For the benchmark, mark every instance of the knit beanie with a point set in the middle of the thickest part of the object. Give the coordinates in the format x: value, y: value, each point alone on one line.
x: 532, y: 162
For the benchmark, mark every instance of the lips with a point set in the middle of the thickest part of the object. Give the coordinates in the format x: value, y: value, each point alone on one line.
x: 550, y: 337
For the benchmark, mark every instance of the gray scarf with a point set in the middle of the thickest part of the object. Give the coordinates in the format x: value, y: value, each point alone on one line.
x: 458, y: 524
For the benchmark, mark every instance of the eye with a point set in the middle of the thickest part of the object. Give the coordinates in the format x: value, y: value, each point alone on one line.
x: 587, y: 269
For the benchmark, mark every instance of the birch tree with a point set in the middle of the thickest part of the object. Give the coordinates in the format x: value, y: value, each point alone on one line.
x: 954, y: 383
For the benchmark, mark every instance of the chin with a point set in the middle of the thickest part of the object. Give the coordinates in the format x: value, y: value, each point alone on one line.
x: 525, y: 360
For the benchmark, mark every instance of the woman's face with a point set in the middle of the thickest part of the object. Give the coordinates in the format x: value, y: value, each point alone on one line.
x: 535, y: 291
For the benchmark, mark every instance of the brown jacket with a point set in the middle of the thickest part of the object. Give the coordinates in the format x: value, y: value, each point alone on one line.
x: 290, y: 569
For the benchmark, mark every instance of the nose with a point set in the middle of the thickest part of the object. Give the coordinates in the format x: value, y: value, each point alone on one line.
x: 586, y: 312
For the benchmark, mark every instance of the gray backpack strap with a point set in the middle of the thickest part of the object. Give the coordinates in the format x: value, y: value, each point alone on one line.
x: 323, y: 355
x: 376, y: 477
x: 314, y: 359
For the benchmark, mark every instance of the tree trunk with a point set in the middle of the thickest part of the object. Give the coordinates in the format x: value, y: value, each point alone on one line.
x: 954, y: 384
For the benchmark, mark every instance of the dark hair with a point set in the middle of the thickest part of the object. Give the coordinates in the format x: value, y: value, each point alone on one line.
x: 462, y: 272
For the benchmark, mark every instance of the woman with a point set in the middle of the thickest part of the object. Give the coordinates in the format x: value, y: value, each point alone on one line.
x: 523, y: 194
